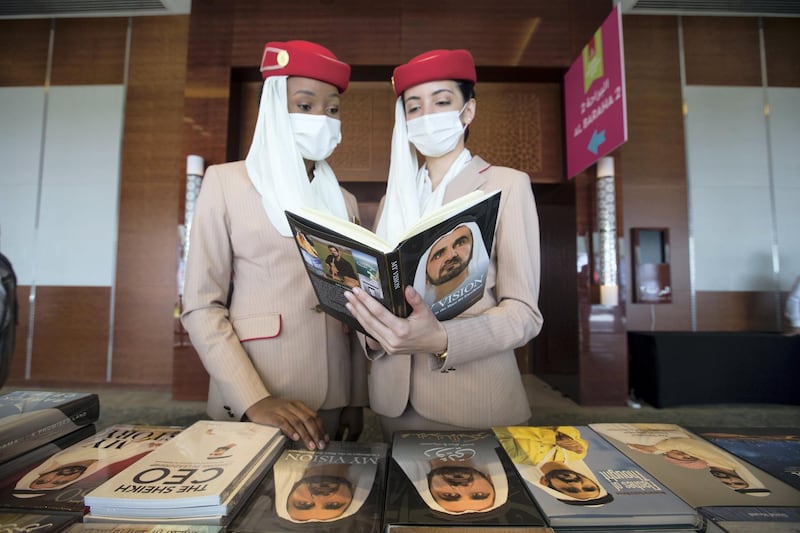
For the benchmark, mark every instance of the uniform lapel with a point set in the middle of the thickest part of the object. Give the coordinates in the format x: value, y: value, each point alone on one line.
x: 473, y: 177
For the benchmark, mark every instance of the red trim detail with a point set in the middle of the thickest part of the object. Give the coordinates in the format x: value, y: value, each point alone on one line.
x: 280, y: 327
x: 487, y: 167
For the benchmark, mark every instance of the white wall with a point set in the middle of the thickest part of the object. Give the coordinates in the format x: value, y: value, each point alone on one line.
x: 731, y: 150
x: 77, y: 147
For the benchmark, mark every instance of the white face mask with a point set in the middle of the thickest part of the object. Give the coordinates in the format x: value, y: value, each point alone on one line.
x: 436, y: 134
x: 315, y: 135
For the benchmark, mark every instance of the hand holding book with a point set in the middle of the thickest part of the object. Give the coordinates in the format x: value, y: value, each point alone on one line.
x: 445, y: 256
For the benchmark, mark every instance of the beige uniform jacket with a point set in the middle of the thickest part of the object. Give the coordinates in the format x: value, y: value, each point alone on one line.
x: 479, y: 385
x: 272, y: 340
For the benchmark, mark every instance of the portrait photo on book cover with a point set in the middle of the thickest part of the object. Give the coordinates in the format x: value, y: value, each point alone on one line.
x: 455, y: 477
x: 453, y: 269
x: 308, y: 491
x: 682, y: 450
x: 342, y: 265
x: 551, y: 459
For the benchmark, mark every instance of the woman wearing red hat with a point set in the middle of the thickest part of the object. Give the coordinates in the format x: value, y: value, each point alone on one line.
x: 459, y: 373
x: 272, y: 355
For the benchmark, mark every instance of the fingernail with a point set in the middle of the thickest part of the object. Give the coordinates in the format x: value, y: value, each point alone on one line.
x: 356, y: 291
x: 311, y: 445
x: 347, y: 295
x: 295, y: 437
x: 322, y: 445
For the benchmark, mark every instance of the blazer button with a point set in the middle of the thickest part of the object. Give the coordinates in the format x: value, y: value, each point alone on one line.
x: 318, y: 308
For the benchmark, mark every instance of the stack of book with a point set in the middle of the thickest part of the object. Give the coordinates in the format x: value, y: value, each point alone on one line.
x: 203, y: 476
x: 30, y: 420
x: 57, y: 483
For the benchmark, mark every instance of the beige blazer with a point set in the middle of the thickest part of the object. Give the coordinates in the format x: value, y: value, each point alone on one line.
x: 272, y: 340
x: 479, y: 385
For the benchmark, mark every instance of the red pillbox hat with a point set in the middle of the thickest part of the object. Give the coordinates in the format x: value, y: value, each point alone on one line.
x: 432, y: 66
x: 306, y: 59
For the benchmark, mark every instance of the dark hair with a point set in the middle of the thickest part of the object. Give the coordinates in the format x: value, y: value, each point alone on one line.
x: 467, y: 89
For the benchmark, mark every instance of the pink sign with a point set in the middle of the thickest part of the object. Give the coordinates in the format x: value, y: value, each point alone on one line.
x: 594, y: 97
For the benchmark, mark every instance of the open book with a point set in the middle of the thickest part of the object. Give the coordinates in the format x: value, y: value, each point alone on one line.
x: 445, y: 256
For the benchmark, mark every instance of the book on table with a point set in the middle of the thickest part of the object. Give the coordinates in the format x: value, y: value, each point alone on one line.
x: 455, y: 479
x: 445, y: 256
x: 704, y: 475
x: 60, y: 482
x: 39, y: 454
x: 775, y: 450
x: 338, y: 489
x: 582, y: 483
x: 31, y: 418
x: 751, y: 519
x: 30, y: 522
x: 205, y: 472
x: 134, y: 527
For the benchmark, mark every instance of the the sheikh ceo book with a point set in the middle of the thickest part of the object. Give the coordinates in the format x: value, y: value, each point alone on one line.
x: 195, y: 474
x: 445, y: 256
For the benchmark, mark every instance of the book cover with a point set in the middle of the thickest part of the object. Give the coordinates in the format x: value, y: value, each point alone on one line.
x: 774, y: 450
x: 701, y: 473
x: 25, y: 522
x: 752, y: 519
x: 60, y: 482
x: 30, y: 418
x: 200, y: 467
x: 445, y: 258
x: 338, y: 489
x: 133, y: 527
x: 37, y: 455
x: 582, y: 483
x: 455, y: 479
x: 221, y: 514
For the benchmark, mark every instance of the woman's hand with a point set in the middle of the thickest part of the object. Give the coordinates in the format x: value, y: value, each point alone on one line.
x: 421, y: 332
x: 293, y: 417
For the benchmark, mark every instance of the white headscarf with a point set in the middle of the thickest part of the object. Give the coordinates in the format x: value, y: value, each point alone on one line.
x: 288, y: 473
x: 409, y: 193
x: 276, y: 167
x: 478, y: 263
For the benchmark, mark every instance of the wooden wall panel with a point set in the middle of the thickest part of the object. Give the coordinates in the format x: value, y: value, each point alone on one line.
x: 519, y: 125
x: 207, y: 82
x: 23, y: 52
x: 721, y: 51
x: 652, y: 164
x: 16, y: 373
x: 736, y: 311
x: 782, y: 48
x: 70, y: 338
x: 153, y: 172
x: 356, y: 31
x: 206, y: 106
x: 89, y: 51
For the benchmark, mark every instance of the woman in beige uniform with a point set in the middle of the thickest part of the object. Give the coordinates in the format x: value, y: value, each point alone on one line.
x: 462, y: 372
x: 273, y: 357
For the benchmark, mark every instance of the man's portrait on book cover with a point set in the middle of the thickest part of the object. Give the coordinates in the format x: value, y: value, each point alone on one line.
x: 310, y: 491
x: 453, y: 476
x: 452, y: 270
